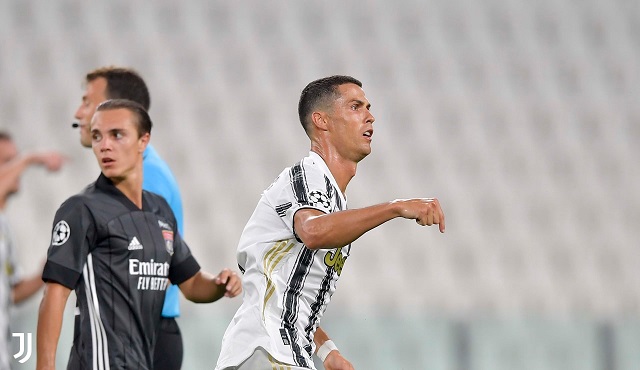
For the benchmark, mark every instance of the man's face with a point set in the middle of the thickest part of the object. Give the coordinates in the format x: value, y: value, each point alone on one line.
x: 8, y: 152
x: 94, y: 94
x: 116, y: 145
x: 351, y: 123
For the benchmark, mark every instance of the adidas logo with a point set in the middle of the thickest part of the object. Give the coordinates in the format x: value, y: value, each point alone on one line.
x: 135, y: 244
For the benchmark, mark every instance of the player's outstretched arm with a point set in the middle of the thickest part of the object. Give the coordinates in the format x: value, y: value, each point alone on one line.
x: 11, y: 171
x: 50, y: 316
x: 203, y: 287
x: 27, y: 287
x: 331, y: 357
x: 333, y: 230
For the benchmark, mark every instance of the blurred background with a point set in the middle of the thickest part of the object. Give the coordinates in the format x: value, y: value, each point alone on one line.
x: 522, y: 117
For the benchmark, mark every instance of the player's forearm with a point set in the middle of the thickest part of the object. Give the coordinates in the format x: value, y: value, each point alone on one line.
x: 334, y: 230
x: 49, y: 325
x: 11, y: 171
x: 202, y: 288
x: 319, y: 337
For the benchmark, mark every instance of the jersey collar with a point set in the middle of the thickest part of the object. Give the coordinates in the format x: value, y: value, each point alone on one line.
x: 104, y: 184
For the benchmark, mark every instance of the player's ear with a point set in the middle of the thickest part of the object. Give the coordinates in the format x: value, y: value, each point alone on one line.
x: 319, y: 120
x: 143, y: 141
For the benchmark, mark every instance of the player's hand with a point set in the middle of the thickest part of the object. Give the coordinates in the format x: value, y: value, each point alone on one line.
x: 335, y: 361
x: 231, y: 281
x: 426, y: 211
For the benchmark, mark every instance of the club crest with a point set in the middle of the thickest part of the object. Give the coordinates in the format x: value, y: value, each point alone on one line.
x: 168, y: 241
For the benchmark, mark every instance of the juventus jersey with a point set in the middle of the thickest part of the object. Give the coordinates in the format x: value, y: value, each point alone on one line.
x: 9, y: 277
x: 286, y: 285
x: 118, y: 259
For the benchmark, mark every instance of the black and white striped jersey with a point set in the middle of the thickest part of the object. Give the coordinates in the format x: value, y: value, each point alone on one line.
x: 118, y: 259
x: 286, y: 285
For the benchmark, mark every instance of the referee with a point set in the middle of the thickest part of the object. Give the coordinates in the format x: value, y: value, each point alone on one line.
x: 117, y: 246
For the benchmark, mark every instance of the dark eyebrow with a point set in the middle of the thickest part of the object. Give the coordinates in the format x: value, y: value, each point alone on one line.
x: 112, y: 131
x: 361, y: 103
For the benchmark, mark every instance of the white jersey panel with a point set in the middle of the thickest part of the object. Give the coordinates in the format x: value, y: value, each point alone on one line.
x: 286, y: 285
x: 9, y: 276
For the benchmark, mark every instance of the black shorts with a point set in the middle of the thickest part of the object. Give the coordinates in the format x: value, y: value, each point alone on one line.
x: 168, y: 352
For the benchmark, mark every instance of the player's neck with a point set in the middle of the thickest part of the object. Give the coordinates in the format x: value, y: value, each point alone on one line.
x: 341, y: 168
x: 131, y: 187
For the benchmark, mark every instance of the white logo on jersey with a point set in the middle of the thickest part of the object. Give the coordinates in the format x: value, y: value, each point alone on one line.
x: 135, y: 244
x: 164, y: 225
x: 61, y: 233
x: 151, y: 275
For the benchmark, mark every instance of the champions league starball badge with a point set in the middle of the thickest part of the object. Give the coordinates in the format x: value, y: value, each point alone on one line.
x: 319, y: 199
x: 61, y: 233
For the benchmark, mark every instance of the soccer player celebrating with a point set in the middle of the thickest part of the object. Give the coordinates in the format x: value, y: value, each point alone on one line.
x: 295, y: 245
x: 117, y: 247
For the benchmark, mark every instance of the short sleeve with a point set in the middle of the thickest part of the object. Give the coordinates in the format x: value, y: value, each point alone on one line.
x: 301, y: 186
x: 183, y: 264
x: 72, y: 234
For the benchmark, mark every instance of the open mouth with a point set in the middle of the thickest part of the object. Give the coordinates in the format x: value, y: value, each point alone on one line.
x: 368, y: 134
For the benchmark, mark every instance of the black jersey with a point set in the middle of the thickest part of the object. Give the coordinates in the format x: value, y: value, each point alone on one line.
x: 118, y: 259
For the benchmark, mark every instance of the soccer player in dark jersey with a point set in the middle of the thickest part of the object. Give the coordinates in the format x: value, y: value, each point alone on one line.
x: 125, y: 83
x: 117, y: 247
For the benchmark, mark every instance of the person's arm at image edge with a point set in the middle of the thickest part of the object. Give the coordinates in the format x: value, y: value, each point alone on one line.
x: 50, y: 317
x: 334, y: 359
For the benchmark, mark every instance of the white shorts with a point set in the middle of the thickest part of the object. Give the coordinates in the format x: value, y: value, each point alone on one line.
x: 262, y: 360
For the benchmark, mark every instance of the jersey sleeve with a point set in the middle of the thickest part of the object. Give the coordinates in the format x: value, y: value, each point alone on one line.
x: 301, y: 186
x: 71, y: 237
x: 183, y: 264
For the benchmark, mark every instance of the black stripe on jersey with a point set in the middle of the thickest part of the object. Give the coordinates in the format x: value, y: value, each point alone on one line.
x: 282, y: 209
x: 299, y: 183
x: 331, y: 191
x: 291, y: 301
x: 325, y: 285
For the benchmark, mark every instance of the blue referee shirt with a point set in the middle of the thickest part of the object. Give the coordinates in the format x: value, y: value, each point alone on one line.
x: 158, y: 178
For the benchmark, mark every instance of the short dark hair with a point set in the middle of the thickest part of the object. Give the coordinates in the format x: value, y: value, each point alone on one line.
x: 142, y: 117
x: 5, y: 136
x: 123, y: 83
x: 319, y: 93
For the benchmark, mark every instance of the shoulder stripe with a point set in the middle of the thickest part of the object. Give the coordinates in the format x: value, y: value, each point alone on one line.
x: 332, y: 192
x: 98, y: 335
x: 299, y: 183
